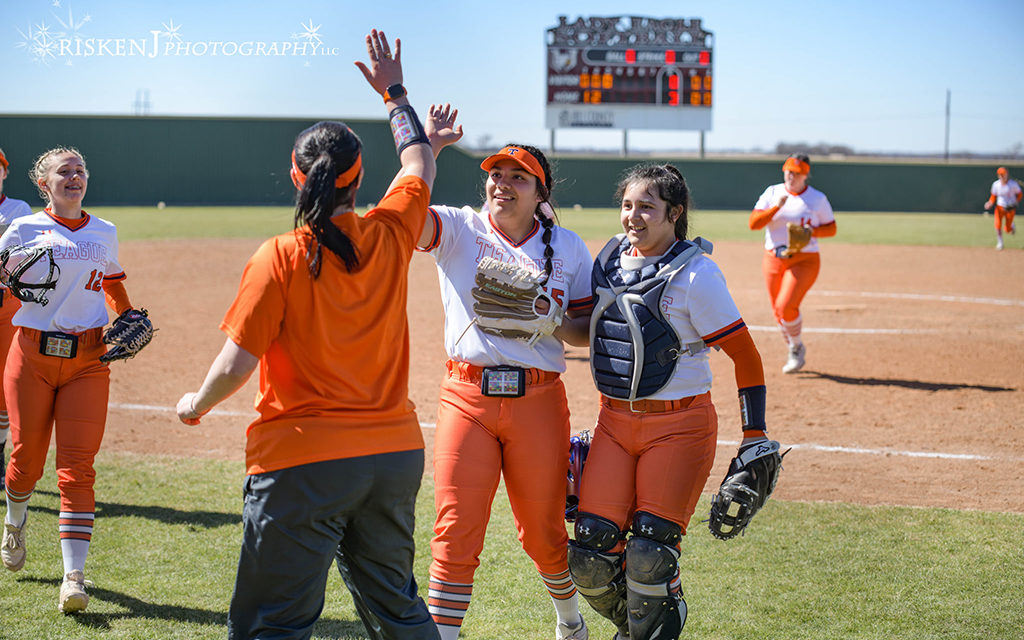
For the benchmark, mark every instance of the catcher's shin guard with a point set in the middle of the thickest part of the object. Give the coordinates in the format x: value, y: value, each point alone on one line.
x: 654, y: 611
x: 598, y: 574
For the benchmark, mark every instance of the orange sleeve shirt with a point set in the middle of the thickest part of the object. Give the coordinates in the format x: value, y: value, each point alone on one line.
x: 334, y: 352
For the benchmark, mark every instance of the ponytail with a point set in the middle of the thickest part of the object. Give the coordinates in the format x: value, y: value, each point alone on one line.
x: 324, y: 156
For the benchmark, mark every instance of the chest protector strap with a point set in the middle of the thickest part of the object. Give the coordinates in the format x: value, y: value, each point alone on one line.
x: 634, y: 347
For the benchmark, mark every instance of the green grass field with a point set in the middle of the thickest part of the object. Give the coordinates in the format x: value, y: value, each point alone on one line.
x: 167, y: 538
x: 147, y: 223
x: 167, y: 531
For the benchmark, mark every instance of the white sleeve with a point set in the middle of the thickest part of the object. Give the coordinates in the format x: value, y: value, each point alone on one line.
x: 449, y: 222
x: 824, y: 213
x: 766, y: 200
x: 708, y: 301
x: 580, y: 289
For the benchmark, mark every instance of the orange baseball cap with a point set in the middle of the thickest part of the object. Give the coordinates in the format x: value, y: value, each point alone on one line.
x: 1000, y: 171
x: 521, y: 156
x: 796, y: 166
x: 3, y: 159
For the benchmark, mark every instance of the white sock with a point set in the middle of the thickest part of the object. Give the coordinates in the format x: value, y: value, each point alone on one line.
x: 17, y: 513
x: 448, y: 633
x: 793, y: 330
x: 568, y: 610
x: 74, y: 552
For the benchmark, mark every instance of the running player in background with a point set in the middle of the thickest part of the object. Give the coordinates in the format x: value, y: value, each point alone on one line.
x: 661, y: 299
x: 9, y: 210
x: 1004, y: 195
x: 335, y: 458
x: 54, y: 379
x: 482, y: 437
x: 790, y: 278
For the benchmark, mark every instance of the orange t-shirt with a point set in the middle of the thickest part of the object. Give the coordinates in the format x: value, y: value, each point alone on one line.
x: 334, y: 352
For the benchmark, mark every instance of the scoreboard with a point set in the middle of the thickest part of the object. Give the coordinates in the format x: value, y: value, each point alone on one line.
x: 630, y: 73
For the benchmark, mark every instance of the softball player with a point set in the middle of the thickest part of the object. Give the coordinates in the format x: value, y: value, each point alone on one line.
x: 660, y: 304
x: 9, y: 210
x: 54, y: 379
x: 335, y: 458
x: 789, y: 279
x: 1004, y: 195
x: 480, y: 436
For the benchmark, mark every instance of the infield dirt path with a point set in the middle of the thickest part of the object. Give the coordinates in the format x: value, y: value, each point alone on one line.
x: 913, y: 392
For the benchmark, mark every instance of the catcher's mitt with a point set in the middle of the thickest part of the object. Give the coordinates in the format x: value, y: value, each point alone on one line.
x: 24, y: 271
x: 748, y: 483
x: 508, y: 301
x: 131, y: 331
x: 799, y: 237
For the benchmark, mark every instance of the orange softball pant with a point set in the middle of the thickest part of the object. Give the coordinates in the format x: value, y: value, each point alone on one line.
x: 1004, y: 218
x: 478, y: 440
x: 789, y: 280
x: 656, y: 462
x: 8, y: 306
x: 71, y: 393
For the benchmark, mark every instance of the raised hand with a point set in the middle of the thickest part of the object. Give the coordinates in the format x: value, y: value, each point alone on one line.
x: 385, y: 69
x: 441, y: 128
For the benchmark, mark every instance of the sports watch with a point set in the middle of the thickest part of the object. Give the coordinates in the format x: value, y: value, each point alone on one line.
x: 394, y: 92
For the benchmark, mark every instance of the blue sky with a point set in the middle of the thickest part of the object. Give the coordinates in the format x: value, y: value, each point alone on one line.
x: 868, y: 74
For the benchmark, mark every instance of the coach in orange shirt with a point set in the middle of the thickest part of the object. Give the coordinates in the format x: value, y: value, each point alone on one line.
x: 335, y: 458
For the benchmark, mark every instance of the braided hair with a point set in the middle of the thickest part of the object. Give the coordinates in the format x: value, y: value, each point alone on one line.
x: 545, y: 193
x: 322, y: 152
x: 670, y: 185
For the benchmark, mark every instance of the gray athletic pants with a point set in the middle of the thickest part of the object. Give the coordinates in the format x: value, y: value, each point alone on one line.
x: 358, y: 512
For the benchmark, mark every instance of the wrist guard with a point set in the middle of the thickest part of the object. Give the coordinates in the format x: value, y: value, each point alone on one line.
x: 752, y: 407
x: 406, y: 128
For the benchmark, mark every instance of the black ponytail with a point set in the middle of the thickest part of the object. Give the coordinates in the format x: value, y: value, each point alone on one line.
x: 321, y: 153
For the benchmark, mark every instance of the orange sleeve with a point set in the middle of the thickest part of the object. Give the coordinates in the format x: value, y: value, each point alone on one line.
x: 759, y: 218
x: 254, y: 318
x: 745, y: 357
x: 749, y: 381
x: 825, y: 230
x: 117, y: 296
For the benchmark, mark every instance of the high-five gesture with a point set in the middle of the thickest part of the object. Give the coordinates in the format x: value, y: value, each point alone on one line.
x: 385, y: 70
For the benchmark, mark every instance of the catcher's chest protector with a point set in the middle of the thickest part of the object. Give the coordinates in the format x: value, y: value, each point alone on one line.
x: 633, y: 346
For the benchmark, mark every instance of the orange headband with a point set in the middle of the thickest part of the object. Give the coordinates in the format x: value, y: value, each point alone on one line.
x: 344, y: 178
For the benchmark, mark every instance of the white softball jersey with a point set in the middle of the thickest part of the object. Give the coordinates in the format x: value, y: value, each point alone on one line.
x: 86, y: 253
x: 808, y: 208
x: 11, y: 209
x: 696, y: 303
x: 1006, y: 194
x: 462, y: 237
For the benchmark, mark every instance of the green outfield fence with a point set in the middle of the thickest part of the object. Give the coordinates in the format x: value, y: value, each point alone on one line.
x: 142, y: 160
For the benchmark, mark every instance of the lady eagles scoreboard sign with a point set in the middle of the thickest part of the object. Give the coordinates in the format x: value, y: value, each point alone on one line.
x: 629, y: 73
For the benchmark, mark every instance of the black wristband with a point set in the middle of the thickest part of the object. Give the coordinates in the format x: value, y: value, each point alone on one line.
x: 752, y: 407
x: 406, y: 128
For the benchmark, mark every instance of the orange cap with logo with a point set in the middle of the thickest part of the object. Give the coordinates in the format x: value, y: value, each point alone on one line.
x: 1002, y: 171
x: 796, y: 165
x: 521, y: 156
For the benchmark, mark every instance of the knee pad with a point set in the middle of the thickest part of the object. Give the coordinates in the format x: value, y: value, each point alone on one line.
x: 650, y: 526
x: 595, y: 532
x: 654, y: 611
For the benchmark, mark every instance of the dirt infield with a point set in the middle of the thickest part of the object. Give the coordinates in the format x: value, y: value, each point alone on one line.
x: 913, y: 392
